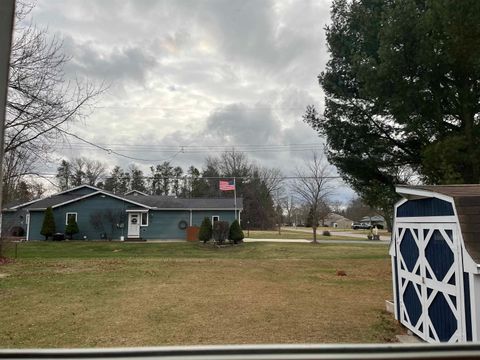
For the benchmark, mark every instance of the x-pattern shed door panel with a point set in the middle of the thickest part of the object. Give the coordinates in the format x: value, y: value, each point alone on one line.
x: 430, y: 280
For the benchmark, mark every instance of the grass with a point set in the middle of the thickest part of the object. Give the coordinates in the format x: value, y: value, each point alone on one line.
x: 297, y: 235
x: 82, y: 294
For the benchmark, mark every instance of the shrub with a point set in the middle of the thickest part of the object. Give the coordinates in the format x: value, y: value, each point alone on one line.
x: 205, y: 232
x: 48, y: 226
x: 220, y: 231
x: 235, y: 233
x: 326, y: 233
x: 71, y: 228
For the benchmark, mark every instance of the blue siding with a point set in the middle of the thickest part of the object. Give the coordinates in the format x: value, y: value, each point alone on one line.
x: 12, y: 219
x: 425, y: 207
x: 225, y: 215
x: 468, y: 310
x: 412, y: 303
x: 84, y: 208
x: 442, y: 317
x: 36, y: 221
x: 162, y: 224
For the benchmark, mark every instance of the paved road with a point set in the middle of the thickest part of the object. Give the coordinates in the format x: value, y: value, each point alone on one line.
x: 366, y: 242
x: 340, y: 233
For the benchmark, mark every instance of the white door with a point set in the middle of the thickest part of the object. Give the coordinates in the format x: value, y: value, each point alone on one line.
x: 430, y: 281
x: 133, y: 225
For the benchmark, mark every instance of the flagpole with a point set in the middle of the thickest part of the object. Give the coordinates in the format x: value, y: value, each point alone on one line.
x: 235, y: 196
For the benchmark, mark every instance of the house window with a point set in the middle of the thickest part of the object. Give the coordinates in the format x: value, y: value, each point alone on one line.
x: 69, y: 216
x: 215, y: 218
x: 144, y: 219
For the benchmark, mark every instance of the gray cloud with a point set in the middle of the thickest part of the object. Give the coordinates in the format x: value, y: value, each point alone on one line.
x: 131, y: 63
x: 189, y: 72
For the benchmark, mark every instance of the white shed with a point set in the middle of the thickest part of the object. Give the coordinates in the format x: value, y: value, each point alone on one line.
x: 435, y: 255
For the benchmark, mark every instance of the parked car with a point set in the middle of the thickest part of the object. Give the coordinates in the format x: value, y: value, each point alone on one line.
x: 359, y: 225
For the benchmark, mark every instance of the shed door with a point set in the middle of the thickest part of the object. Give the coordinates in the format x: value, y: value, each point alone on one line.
x: 430, y: 280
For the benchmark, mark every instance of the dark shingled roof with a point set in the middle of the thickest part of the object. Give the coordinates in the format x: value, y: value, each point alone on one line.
x: 169, y: 202
x: 53, y: 200
x: 162, y: 202
x: 467, y: 204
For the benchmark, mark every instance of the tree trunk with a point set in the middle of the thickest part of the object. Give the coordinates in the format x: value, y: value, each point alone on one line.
x: 314, y: 234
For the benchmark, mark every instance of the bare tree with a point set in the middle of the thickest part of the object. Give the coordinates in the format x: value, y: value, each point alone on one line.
x: 234, y: 164
x: 94, y: 170
x: 313, y: 185
x: 272, y: 178
x: 40, y: 97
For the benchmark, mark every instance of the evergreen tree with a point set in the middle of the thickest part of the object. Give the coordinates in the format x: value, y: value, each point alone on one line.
x: 64, y: 173
x: 48, y: 226
x: 402, y: 96
x: 71, y: 228
x: 235, y: 233
x: 205, y: 233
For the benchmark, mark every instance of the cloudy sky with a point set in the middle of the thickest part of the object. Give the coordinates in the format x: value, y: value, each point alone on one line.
x: 190, y: 78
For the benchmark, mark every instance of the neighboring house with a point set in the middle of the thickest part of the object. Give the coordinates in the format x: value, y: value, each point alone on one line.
x: 337, y: 221
x: 101, y: 214
x: 374, y: 220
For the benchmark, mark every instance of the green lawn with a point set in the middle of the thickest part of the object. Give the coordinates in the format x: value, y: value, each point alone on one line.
x: 84, y: 294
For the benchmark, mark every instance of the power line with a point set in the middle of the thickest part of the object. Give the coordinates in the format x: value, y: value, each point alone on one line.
x: 110, y: 151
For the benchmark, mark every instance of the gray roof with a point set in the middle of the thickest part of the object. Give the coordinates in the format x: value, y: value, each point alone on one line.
x: 53, y: 200
x: 160, y: 202
x: 169, y: 202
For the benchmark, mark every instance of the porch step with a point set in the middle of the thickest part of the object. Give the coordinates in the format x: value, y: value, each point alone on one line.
x: 135, y: 239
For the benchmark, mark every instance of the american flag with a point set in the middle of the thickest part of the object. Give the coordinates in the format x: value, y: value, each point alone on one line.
x: 227, y: 185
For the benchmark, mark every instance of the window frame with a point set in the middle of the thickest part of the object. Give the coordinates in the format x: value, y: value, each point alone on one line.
x: 215, y: 216
x: 144, y: 215
x: 71, y: 213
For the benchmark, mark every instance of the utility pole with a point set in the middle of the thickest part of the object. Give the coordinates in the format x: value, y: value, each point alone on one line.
x: 7, y: 15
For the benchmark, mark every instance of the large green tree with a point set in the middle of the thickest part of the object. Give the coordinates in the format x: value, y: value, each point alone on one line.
x: 402, y: 93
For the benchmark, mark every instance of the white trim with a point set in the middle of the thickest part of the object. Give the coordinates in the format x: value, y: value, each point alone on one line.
x: 427, y: 219
x: 215, y: 216
x: 96, y: 193
x: 191, y: 217
x: 437, y: 285
x: 71, y: 213
x: 133, y: 235
x: 145, y: 206
x: 27, y: 220
x: 406, y: 191
x: 59, y: 193
x: 135, y: 191
x: 138, y: 210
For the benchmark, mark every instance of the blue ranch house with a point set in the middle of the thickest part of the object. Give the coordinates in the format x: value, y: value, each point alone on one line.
x: 134, y: 215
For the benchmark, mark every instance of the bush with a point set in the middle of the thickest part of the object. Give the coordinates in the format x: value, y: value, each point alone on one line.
x: 235, y: 233
x: 205, y: 232
x: 220, y: 231
x: 48, y: 226
x: 326, y: 233
x: 71, y: 228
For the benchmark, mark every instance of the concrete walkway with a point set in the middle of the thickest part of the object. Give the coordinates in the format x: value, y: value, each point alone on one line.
x: 338, y: 233
x: 366, y: 242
